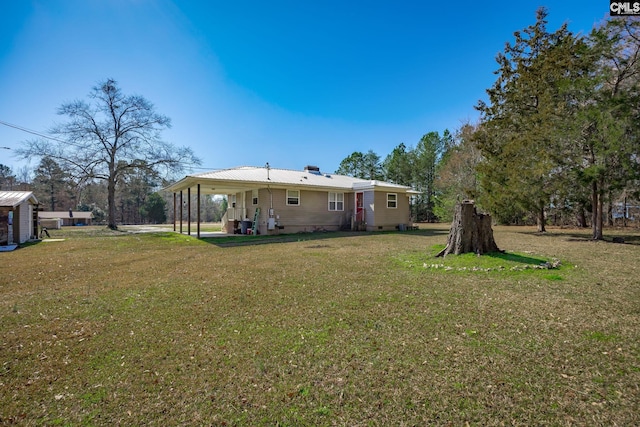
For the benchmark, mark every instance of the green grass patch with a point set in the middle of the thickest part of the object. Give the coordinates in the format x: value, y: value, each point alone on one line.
x: 509, y: 263
x: 259, y: 239
x: 600, y: 336
x: 168, y: 237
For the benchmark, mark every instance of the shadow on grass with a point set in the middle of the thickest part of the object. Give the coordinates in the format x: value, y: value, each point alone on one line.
x: 243, y: 240
x: 584, y: 235
x: 523, y: 259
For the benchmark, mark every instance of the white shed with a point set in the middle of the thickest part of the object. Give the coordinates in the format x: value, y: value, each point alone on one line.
x: 18, y: 217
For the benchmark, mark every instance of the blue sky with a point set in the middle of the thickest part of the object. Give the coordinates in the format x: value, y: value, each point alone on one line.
x: 291, y: 83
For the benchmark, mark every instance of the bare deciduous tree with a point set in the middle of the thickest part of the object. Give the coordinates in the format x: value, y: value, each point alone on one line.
x: 109, y: 136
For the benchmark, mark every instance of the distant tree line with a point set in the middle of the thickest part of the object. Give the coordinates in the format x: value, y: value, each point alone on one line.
x: 558, y: 138
x: 138, y: 196
x: 406, y: 165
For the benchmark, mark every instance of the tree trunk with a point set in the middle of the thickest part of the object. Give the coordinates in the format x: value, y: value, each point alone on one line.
x: 541, y: 220
x: 470, y: 232
x: 597, y: 206
x: 610, y: 209
x: 582, y: 219
x: 600, y: 228
x: 111, y: 204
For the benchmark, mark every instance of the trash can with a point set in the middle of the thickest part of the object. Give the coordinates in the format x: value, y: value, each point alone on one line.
x: 244, y: 226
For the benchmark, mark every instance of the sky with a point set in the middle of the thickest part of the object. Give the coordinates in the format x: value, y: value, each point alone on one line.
x: 291, y: 83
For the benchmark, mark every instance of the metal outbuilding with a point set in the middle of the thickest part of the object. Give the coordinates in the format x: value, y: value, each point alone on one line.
x: 18, y: 217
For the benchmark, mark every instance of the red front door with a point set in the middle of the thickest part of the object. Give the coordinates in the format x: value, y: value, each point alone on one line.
x: 359, y: 207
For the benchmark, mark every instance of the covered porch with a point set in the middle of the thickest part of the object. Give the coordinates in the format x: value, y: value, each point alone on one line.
x: 234, y: 220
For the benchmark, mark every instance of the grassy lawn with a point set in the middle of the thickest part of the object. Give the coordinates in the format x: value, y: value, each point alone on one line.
x: 114, y: 328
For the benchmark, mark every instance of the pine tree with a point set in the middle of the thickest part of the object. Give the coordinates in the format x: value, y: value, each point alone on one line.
x: 522, y: 125
x: 606, y: 132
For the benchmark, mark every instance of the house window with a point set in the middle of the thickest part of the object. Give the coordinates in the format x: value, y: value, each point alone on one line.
x: 293, y: 197
x: 392, y: 200
x: 254, y: 197
x: 336, y: 201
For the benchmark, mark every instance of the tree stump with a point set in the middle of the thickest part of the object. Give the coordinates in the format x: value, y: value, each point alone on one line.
x: 470, y: 232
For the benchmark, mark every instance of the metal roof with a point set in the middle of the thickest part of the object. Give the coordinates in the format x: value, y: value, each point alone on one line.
x: 229, y: 181
x: 15, y: 198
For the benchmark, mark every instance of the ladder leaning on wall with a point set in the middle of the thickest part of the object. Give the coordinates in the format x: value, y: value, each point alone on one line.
x: 254, y: 226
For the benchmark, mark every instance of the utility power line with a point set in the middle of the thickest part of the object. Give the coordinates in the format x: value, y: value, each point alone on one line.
x: 42, y: 135
x: 33, y: 132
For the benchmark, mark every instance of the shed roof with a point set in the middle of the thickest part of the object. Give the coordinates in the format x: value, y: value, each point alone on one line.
x: 229, y: 181
x: 15, y: 198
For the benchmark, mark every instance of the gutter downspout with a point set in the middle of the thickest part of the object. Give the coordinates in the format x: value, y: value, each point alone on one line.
x: 270, y: 213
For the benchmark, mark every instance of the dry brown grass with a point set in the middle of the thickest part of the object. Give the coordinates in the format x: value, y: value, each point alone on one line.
x: 162, y: 329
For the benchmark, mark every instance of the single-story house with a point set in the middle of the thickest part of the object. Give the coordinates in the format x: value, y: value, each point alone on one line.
x: 18, y: 217
x: 267, y: 200
x: 627, y: 211
x: 56, y: 219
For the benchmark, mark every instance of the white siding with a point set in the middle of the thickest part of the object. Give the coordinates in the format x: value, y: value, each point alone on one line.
x: 385, y: 218
x: 23, y: 222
